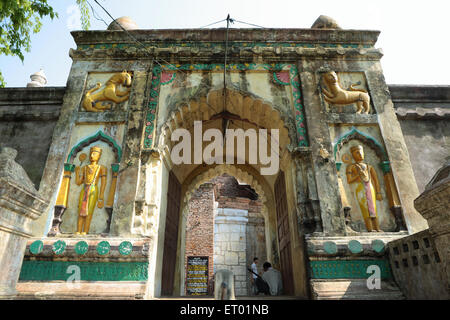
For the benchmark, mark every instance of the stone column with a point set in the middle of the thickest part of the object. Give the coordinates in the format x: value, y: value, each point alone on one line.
x: 230, y: 244
x: 324, y: 169
x: 434, y: 204
x: 402, y: 173
x: 20, y: 204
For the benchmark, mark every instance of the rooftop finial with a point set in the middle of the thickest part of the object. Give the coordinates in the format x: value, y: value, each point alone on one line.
x: 38, y: 79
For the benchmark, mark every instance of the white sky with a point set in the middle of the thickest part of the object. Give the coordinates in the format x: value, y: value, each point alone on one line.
x: 414, y: 34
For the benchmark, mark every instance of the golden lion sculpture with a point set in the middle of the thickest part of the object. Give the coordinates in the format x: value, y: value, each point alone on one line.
x: 339, y: 96
x: 94, y: 102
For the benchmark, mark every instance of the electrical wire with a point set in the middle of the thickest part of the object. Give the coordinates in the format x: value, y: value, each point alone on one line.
x: 250, y: 24
x: 94, y: 14
x: 213, y: 23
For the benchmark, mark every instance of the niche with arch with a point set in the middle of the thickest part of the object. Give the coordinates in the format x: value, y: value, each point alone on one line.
x: 374, y: 155
x: 108, y: 137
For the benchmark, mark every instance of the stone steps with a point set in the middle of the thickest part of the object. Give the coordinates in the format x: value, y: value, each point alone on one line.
x: 354, y: 289
x: 60, y: 290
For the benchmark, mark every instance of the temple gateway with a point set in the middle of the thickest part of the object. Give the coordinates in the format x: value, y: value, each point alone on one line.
x: 104, y: 194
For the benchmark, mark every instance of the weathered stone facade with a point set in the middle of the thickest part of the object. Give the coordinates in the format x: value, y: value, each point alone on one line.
x: 20, y: 204
x: 424, y: 113
x: 28, y: 117
x: 308, y: 215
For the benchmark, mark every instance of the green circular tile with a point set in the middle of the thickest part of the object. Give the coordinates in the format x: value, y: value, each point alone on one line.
x: 103, y: 247
x: 330, y: 247
x: 355, y: 246
x: 59, y: 247
x: 125, y: 248
x: 81, y: 247
x: 36, y: 247
x: 378, y: 246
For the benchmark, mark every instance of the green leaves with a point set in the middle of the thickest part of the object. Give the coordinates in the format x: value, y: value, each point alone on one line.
x: 85, y: 16
x: 21, y: 18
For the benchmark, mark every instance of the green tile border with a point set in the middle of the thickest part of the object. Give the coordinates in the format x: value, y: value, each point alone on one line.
x: 347, y: 269
x: 89, y: 271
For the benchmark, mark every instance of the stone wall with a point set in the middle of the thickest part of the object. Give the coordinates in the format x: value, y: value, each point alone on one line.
x: 228, y: 227
x: 424, y: 115
x: 417, y: 267
x: 230, y: 240
x: 421, y: 261
x: 230, y: 194
x: 27, y: 119
x: 20, y: 204
x: 28, y: 116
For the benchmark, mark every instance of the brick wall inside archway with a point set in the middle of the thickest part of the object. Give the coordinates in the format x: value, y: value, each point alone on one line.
x: 225, y: 192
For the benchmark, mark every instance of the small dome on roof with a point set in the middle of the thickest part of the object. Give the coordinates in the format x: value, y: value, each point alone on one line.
x: 325, y: 22
x: 126, y: 22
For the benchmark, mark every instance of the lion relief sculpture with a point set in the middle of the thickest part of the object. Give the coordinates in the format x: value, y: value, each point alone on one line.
x: 338, y: 96
x: 94, y: 102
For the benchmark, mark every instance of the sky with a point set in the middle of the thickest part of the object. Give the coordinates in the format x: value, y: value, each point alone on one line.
x: 414, y: 34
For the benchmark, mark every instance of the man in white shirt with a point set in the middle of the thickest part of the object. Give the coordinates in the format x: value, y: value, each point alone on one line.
x: 273, y: 279
x: 254, y: 267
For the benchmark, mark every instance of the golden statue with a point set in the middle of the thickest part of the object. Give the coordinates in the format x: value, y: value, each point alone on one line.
x: 339, y: 96
x: 89, y: 175
x: 368, y: 188
x: 93, y: 102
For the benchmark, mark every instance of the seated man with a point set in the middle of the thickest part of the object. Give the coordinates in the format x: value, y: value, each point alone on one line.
x: 273, y: 279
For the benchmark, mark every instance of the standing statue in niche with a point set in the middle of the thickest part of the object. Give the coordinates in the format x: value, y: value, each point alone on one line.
x: 89, y: 175
x: 368, y: 188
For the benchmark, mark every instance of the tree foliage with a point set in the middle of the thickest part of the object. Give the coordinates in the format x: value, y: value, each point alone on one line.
x: 85, y: 21
x: 21, y: 18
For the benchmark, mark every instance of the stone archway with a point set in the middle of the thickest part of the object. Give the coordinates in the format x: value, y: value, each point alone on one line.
x: 239, y: 173
x: 235, y: 105
x: 253, y: 113
x: 243, y: 175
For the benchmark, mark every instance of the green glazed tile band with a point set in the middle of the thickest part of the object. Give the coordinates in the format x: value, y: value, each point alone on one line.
x: 347, y: 269
x: 89, y: 271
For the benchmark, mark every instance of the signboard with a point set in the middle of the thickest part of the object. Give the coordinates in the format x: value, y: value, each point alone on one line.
x: 197, y: 276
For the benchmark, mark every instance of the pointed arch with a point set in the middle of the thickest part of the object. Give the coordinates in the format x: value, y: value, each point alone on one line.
x: 238, y: 105
x: 98, y: 136
x: 355, y: 134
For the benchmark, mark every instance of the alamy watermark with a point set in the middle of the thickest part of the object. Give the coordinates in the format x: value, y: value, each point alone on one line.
x: 374, y: 280
x: 190, y: 149
x: 73, y: 281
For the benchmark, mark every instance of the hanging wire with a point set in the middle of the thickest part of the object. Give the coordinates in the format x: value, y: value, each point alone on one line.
x: 146, y: 50
x: 95, y: 14
x: 213, y: 23
x: 250, y: 24
x: 156, y: 60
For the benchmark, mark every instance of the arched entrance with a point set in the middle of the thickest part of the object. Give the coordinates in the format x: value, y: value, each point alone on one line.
x: 284, y: 249
x: 223, y: 225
